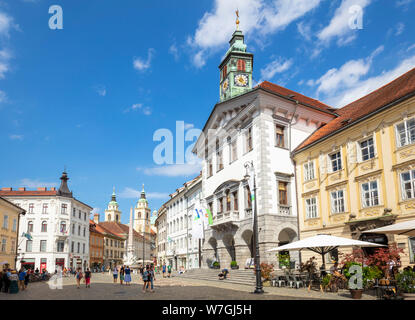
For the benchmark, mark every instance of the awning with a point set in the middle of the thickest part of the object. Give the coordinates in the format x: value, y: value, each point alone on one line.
x: 323, y: 244
x: 406, y: 228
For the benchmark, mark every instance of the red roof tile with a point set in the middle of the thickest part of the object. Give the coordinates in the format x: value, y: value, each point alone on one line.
x: 353, y: 112
x: 296, y: 96
x: 119, y: 229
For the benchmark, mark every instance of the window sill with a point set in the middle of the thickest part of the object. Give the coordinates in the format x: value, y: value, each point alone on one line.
x: 311, y: 219
x: 407, y: 146
x: 338, y: 213
x: 310, y: 180
x: 284, y: 148
x: 369, y: 160
x: 372, y: 207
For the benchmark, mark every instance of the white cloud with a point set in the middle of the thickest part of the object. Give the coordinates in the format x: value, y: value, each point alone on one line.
x: 141, y: 64
x: 174, y: 170
x: 95, y: 210
x: 130, y: 193
x: 400, y: 27
x: 278, y: 65
x: 304, y: 30
x: 3, y: 96
x: 341, y: 86
x: 101, y: 90
x: 173, y: 50
x: 5, y: 57
x: 6, y: 23
x: 261, y: 17
x: 30, y: 183
x: 139, y: 107
x: 339, y: 25
x: 402, y: 3
x: 16, y: 137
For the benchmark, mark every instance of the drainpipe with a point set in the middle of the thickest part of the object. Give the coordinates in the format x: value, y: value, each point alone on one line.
x: 23, y: 212
x: 295, y: 178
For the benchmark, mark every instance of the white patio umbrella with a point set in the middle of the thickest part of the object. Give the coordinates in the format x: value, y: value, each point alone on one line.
x: 406, y: 228
x: 323, y: 244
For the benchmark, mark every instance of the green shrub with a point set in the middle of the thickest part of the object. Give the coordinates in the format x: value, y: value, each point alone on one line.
x: 406, y: 281
x: 234, y: 264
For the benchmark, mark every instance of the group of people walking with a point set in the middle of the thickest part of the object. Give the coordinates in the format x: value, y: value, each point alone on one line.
x: 8, y: 275
x: 125, y: 274
x: 79, y: 275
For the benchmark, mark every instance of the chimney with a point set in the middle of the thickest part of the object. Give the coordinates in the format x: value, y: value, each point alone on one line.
x: 22, y: 189
x: 96, y: 218
x: 41, y: 189
x: 6, y: 189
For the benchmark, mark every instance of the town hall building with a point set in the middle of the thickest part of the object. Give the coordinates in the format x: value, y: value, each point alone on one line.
x: 259, y: 125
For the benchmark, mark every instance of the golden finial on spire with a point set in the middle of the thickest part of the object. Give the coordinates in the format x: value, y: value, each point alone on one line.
x: 237, y: 19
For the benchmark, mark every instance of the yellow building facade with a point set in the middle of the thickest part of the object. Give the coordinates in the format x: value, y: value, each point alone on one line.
x: 358, y: 171
x: 9, y: 226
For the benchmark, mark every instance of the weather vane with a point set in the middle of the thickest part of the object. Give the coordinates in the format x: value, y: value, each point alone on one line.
x: 237, y: 19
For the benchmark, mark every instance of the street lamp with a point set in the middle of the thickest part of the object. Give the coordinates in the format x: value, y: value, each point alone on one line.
x: 258, y: 288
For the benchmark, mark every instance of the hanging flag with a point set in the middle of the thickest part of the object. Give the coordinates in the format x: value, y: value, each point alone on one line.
x: 251, y: 189
x: 197, y: 222
x: 209, y: 216
x: 27, y: 236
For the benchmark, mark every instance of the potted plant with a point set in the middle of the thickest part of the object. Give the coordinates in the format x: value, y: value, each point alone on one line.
x: 284, y: 260
x: 234, y: 265
x: 325, y: 282
x: 215, y: 265
x: 406, y: 284
x: 266, y: 273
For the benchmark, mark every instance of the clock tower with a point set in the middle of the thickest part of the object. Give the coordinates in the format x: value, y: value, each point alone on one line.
x: 236, y: 67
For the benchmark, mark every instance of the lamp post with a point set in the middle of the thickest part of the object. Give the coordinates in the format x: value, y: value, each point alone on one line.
x: 258, y: 288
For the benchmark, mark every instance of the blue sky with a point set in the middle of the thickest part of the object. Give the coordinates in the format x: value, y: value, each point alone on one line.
x: 91, y: 96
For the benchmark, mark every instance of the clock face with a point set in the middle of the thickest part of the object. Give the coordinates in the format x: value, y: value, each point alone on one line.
x: 225, y: 85
x: 241, y: 80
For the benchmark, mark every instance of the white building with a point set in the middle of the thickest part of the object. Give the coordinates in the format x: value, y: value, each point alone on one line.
x: 192, y: 195
x: 180, y: 248
x: 261, y: 125
x: 58, y: 224
x: 161, y: 236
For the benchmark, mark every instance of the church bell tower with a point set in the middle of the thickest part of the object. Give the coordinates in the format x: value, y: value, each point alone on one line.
x: 236, y: 67
x: 112, y: 213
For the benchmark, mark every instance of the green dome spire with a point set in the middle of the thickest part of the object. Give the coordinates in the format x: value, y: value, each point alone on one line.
x: 143, y: 196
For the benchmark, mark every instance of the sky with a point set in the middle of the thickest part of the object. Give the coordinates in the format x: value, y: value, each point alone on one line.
x: 91, y: 96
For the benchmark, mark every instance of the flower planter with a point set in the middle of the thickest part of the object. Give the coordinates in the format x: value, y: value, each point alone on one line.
x: 234, y: 267
x: 356, y: 293
x: 408, y: 296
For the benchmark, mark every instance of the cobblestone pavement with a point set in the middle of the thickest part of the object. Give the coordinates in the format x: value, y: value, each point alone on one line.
x: 176, y: 288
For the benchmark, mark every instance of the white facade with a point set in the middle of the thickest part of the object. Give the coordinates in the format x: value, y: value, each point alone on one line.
x: 263, y: 128
x: 161, y: 239
x: 59, y: 227
x: 181, y: 250
x: 192, y: 195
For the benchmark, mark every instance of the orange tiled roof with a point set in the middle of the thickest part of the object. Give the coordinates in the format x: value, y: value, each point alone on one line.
x: 353, y: 112
x: 119, y: 229
x: 296, y: 96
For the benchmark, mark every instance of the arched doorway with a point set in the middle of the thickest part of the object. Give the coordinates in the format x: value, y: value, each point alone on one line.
x: 214, y: 245
x: 285, y: 259
x: 248, y: 237
x: 229, y: 243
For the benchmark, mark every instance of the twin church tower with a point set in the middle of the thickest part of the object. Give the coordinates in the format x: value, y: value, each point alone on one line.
x: 142, y: 213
